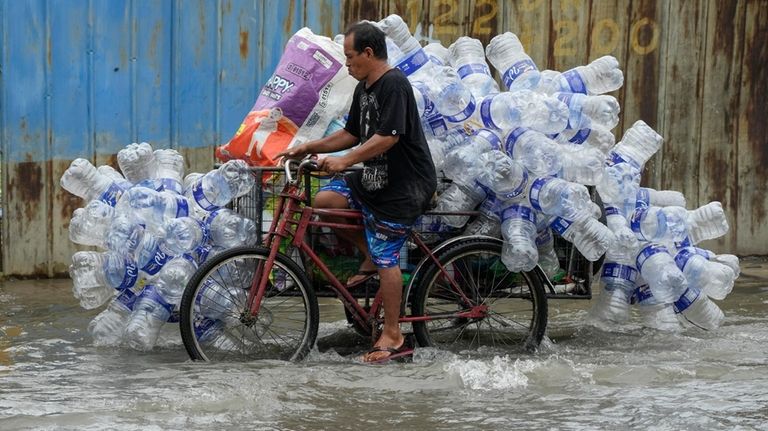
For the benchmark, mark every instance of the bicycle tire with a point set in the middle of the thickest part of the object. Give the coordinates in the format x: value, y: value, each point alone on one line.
x: 517, y: 302
x: 214, y: 319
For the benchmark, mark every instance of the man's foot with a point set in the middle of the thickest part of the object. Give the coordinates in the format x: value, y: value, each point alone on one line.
x: 366, y: 271
x: 382, y: 353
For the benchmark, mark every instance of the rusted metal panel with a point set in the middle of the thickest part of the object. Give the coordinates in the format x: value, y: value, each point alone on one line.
x: 680, y: 104
x: 718, y: 135
x: 752, y: 144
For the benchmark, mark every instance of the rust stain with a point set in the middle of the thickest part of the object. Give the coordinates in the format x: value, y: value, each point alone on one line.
x: 356, y: 10
x: 25, y: 188
x: 288, y: 24
x: 756, y: 70
x: 243, y: 44
x: 725, y: 15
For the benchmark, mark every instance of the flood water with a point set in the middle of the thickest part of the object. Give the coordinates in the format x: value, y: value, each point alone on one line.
x: 53, y: 378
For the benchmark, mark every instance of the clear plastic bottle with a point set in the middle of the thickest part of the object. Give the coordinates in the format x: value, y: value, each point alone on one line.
x: 654, y: 314
x: 445, y: 89
x: 517, y: 69
x: 229, y: 229
x: 137, y: 162
x: 638, y: 144
x: 170, y: 170
x: 597, y: 137
x: 150, y: 312
x: 548, y: 260
x: 462, y: 155
x: 83, y: 180
x: 458, y: 198
x: 695, y: 309
x: 713, y: 278
x: 218, y: 187
x: 173, y: 278
x: 618, y: 187
x: 394, y: 54
x: 151, y: 207
x: 502, y: 176
x: 150, y: 256
x: 618, y: 285
x: 123, y: 234
x: 659, y: 270
x: 183, y: 235
x: 467, y: 56
x: 587, y: 111
x: 590, y: 237
x: 107, y: 327
x: 439, y: 54
x: 216, y: 300
x: 600, y: 76
x: 97, y: 276
x: 584, y: 166
x: 625, y: 248
x: 508, y: 110
x: 114, y: 175
x: 89, y: 224
x: 487, y: 221
x: 239, y: 176
x: 647, y: 196
x: 518, y: 229
x: 557, y: 197
x: 707, y: 222
x: 539, y: 154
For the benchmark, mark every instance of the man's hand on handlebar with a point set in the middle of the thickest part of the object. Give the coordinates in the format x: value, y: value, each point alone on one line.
x: 332, y: 164
x: 296, y: 153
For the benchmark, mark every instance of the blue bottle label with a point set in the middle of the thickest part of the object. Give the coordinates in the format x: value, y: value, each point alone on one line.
x: 150, y: 293
x: 203, y: 326
x: 682, y: 257
x: 464, y: 114
x: 200, y: 198
x: 171, y: 185
x: 642, y: 293
x: 126, y: 298
x: 413, y: 63
x: 575, y: 82
x: 644, y: 197
x: 614, y: 158
x: 536, y: 187
x: 617, y: 270
x: 111, y: 194
x: 156, y: 262
x: 543, y: 237
x: 648, y: 251
x: 686, y: 242
x: 509, y: 145
x: 634, y: 222
x: 202, y: 252
x: 182, y: 207
x: 560, y: 225
x: 130, y: 276
x: 489, y: 136
x: 516, y: 70
x: 612, y: 211
x: 517, y: 211
x: 437, y: 124
x: 580, y: 137
x: 485, y: 113
x: 472, y: 68
x: 686, y: 299
x: 189, y: 258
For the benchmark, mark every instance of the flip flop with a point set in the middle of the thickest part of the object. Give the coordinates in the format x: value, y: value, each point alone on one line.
x: 404, y: 353
x: 367, y: 275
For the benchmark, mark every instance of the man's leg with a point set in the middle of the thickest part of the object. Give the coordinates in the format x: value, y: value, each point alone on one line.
x: 391, y: 285
x: 331, y: 199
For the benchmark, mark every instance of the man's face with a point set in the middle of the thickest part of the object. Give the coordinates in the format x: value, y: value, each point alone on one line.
x: 358, y: 63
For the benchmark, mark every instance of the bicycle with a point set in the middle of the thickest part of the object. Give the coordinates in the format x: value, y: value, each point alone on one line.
x: 256, y: 302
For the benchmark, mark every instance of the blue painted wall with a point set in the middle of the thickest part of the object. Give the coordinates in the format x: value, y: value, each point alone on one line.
x: 84, y: 78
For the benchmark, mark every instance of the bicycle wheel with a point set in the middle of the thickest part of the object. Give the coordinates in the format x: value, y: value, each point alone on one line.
x: 215, y: 320
x: 512, y: 306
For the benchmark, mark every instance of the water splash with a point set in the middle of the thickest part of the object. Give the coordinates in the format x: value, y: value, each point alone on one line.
x: 498, y: 373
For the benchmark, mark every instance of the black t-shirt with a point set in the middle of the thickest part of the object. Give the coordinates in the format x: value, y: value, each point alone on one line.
x: 396, y: 186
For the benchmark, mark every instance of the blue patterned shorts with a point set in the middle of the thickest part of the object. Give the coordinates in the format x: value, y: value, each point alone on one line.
x: 384, y: 239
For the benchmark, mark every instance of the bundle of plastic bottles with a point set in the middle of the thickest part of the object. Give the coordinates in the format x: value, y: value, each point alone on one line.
x: 523, y: 153
x: 151, y: 227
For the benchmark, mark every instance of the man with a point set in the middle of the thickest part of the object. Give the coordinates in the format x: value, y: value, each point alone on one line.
x: 397, y: 181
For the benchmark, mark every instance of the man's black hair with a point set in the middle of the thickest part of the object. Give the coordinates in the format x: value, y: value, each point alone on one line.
x: 367, y: 35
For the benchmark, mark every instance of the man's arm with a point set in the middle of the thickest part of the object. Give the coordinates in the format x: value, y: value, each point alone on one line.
x: 378, y: 144
x: 336, y: 141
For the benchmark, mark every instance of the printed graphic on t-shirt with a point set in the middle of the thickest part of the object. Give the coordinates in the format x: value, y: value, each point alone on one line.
x: 375, y: 170
x: 375, y: 173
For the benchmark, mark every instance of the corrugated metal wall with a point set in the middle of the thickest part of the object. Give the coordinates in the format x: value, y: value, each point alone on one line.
x: 82, y: 78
